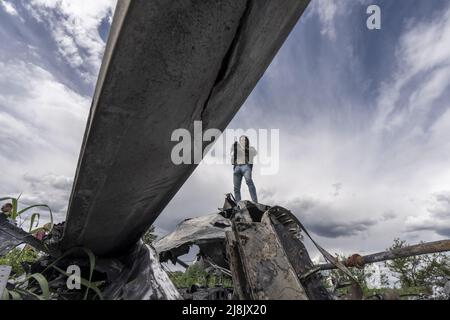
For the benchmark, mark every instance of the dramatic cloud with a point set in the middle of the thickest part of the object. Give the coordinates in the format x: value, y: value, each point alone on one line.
x: 48, y: 61
x: 33, y: 107
x: 363, y: 115
x: 41, y: 125
x: 411, y: 99
x: 437, y: 218
x: 326, y: 221
x: 74, y: 27
x: 364, y: 122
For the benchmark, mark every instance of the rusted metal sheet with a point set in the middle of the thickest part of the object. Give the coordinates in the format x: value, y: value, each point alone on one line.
x: 414, y: 250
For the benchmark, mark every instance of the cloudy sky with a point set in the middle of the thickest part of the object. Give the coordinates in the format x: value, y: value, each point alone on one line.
x: 364, y: 117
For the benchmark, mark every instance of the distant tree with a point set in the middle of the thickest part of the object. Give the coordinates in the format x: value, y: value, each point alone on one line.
x: 435, y: 269
x: 416, y: 274
x: 419, y: 271
x: 384, y: 279
x: 195, y: 274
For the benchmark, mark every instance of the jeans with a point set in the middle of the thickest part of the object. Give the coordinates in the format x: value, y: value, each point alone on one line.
x: 245, y: 171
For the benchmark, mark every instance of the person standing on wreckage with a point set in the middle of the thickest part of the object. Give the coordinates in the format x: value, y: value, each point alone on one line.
x: 242, y: 155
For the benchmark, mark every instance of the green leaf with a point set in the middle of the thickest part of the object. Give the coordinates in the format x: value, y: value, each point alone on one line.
x: 43, y: 283
x: 15, y: 295
x: 84, y: 282
x: 33, y: 217
x: 91, y: 267
x: 6, y: 198
x: 36, y: 206
x: 5, y: 295
x: 15, y: 213
x: 14, y: 209
x: 91, y: 257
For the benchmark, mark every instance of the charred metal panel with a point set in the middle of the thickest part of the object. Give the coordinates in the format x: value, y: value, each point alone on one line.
x: 268, y: 272
x: 138, y: 276
x: 208, y: 232
x: 12, y: 236
x: 238, y: 274
x: 301, y: 262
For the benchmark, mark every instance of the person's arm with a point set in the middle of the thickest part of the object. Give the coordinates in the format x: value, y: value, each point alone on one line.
x: 233, y: 162
x: 251, y: 155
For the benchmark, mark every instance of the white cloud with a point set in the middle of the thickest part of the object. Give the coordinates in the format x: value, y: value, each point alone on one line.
x: 41, y: 127
x: 74, y: 26
x: 42, y: 115
x: 389, y: 166
x: 389, y: 161
x: 44, y: 110
x: 327, y: 11
x: 8, y: 7
x: 437, y: 217
x: 423, y: 69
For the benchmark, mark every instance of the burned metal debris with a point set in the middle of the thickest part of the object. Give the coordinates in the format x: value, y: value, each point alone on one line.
x: 259, y: 246
x: 207, y: 232
x: 11, y: 236
x: 262, y: 248
x: 197, y: 292
x: 137, y: 275
x: 268, y: 257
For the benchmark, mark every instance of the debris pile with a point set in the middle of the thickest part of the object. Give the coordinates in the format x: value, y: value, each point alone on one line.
x: 260, y: 247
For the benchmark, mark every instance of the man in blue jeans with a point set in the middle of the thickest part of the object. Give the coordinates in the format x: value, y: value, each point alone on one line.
x: 242, y: 156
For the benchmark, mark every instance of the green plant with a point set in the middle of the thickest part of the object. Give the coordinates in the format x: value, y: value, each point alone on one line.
x: 195, y: 274
x: 27, y: 286
x: 22, y: 288
x: 419, y: 271
x: 16, y: 213
x: 87, y: 283
x: 17, y: 257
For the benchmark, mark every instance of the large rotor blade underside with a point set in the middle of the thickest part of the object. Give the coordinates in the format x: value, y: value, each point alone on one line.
x: 166, y: 65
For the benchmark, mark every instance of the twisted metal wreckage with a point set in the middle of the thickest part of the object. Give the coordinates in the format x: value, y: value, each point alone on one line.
x: 166, y: 65
x: 262, y: 248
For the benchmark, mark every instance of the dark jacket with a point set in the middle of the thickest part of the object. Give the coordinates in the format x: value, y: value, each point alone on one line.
x: 240, y: 156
